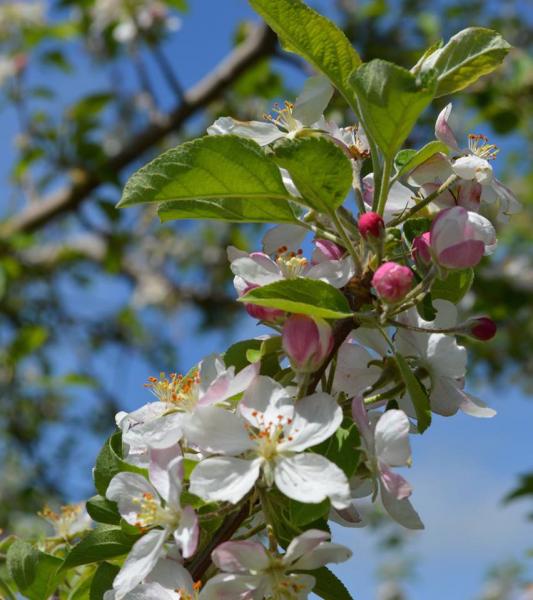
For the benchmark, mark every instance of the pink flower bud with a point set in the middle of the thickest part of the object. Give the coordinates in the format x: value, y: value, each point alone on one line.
x: 392, y: 281
x: 307, y: 341
x: 327, y: 250
x: 481, y: 328
x: 421, y: 249
x: 371, y: 224
x: 458, y: 238
x: 263, y: 313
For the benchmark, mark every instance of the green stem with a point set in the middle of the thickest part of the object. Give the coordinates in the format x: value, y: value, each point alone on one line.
x: 345, y: 240
x: 322, y: 233
x: 423, y: 203
x: 384, y: 188
x: 384, y: 395
x: 376, y: 167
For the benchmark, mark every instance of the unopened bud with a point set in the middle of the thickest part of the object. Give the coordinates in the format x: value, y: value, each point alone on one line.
x: 370, y: 224
x: 328, y: 250
x: 392, y: 281
x: 481, y: 328
x: 307, y: 341
x: 421, y: 249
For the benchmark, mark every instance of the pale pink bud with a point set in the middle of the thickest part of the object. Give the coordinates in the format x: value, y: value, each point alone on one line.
x: 328, y: 250
x: 421, y: 249
x: 307, y: 341
x: 371, y: 224
x: 392, y: 281
x: 458, y: 238
x: 481, y: 328
x: 263, y: 313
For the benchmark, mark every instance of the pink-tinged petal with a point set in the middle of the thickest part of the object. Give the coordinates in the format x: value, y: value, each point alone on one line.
x: 360, y: 417
x: 262, y: 132
x: 443, y: 131
x: 463, y: 255
x: 394, y: 483
x: 303, y: 544
x: 171, y: 575
x: 347, y: 517
x: 240, y: 557
x: 399, y: 199
x: 187, y: 533
x: 475, y: 407
x: 225, y: 478
x: 353, y: 374
x: 175, y: 481
x: 392, y: 438
x: 141, y: 559
x: 326, y: 250
x: 401, y: 511
x: 469, y: 195
x: 256, y: 270
x: 311, y: 478
x: 324, y: 553
x: 316, y: 418
x: 483, y: 230
x: 158, y: 469
x: 227, y: 384
x: 313, y: 100
x: 126, y: 489
x: 435, y: 169
x: 290, y: 236
x: 448, y: 228
x: 217, y: 430
x: 226, y: 586
x: 367, y: 184
x: 445, y: 199
x: 266, y: 401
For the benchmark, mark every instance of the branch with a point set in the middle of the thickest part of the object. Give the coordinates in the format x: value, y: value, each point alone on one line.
x: 260, y: 43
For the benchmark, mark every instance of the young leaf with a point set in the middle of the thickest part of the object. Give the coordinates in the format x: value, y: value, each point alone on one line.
x: 109, y: 462
x: 212, y: 167
x: 320, y: 170
x: 390, y: 100
x: 302, y: 296
x: 466, y: 57
x: 407, y: 160
x: 236, y: 210
x: 454, y: 287
x: 315, y: 38
x: 302, y: 514
x: 328, y: 586
x: 415, y: 227
x: 34, y: 572
x: 103, y: 580
x: 103, y: 510
x: 100, y: 544
x: 418, y: 395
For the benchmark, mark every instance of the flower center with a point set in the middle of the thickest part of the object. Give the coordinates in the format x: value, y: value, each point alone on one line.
x: 268, y: 435
x: 176, y: 390
x: 283, y: 118
x: 479, y: 146
x: 283, y: 586
x: 291, y: 264
x: 151, y: 513
x: 62, y: 520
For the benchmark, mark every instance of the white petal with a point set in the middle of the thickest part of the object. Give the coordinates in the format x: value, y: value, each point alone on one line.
x: 445, y: 356
x: 315, y: 419
x: 263, y: 133
x: 401, y: 511
x: 475, y: 407
x: 149, y: 591
x: 311, y: 478
x: 303, y: 544
x: 227, y: 384
x: 313, y: 101
x: 472, y: 167
x: 224, y: 478
x: 140, y: 561
x: 159, y: 433
x: 335, y: 272
x: 392, y: 438
x: 227, y: 586
x: 158, y: 470
x: 399, y: 199
x: 371, y: 338
x: 126, y: 489
x: 210, y: 368
x: 435, y: 169
x: 445, y: 396
x: 217, y: 430
x: 266, y: 401
x: 323, y: 554
x: 484, y: 231
x: 353, y: 375
x: 239, y: 557
x: 290, y: 236
x: 170, y: 574
x: 256, y: 271
x: 186, y: 535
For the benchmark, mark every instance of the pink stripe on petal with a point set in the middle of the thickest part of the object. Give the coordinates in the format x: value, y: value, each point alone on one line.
x: 463, y: 255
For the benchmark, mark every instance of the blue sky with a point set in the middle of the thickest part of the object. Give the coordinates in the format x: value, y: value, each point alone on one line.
x: 462, y: 466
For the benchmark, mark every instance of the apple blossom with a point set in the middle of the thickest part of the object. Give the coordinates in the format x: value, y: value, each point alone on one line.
x: 155, y: 506
x: 71, y: 519
x: 249, y: 571
x: 392, y: 281
x: 266, y: 440
x: 307, y: 342
x: 385, y: 440
x: 421, y: 249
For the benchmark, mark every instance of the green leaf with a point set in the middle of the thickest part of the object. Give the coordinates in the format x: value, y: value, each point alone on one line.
x: 234, y: 210
x: 319, y: 168
x: 417, y: 393
x: 466, y: 57
x: 82, y: 587
x: 454, y: 287
x: 209, y: 168
x: 315, y: 38
x: 103, y: 510
x: 525, y: 488
x: 243, y: 353
x: 328, y: 586
x: 414, y: 227
x: 302, y: 514
x: 101, y: 544
x: 301, y: 296
x: 103, y: 580
x: 407, y: 160
x: 343, y: 448
x: 34, y: 572
x: 109, y: 462
x: 390, y: 100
